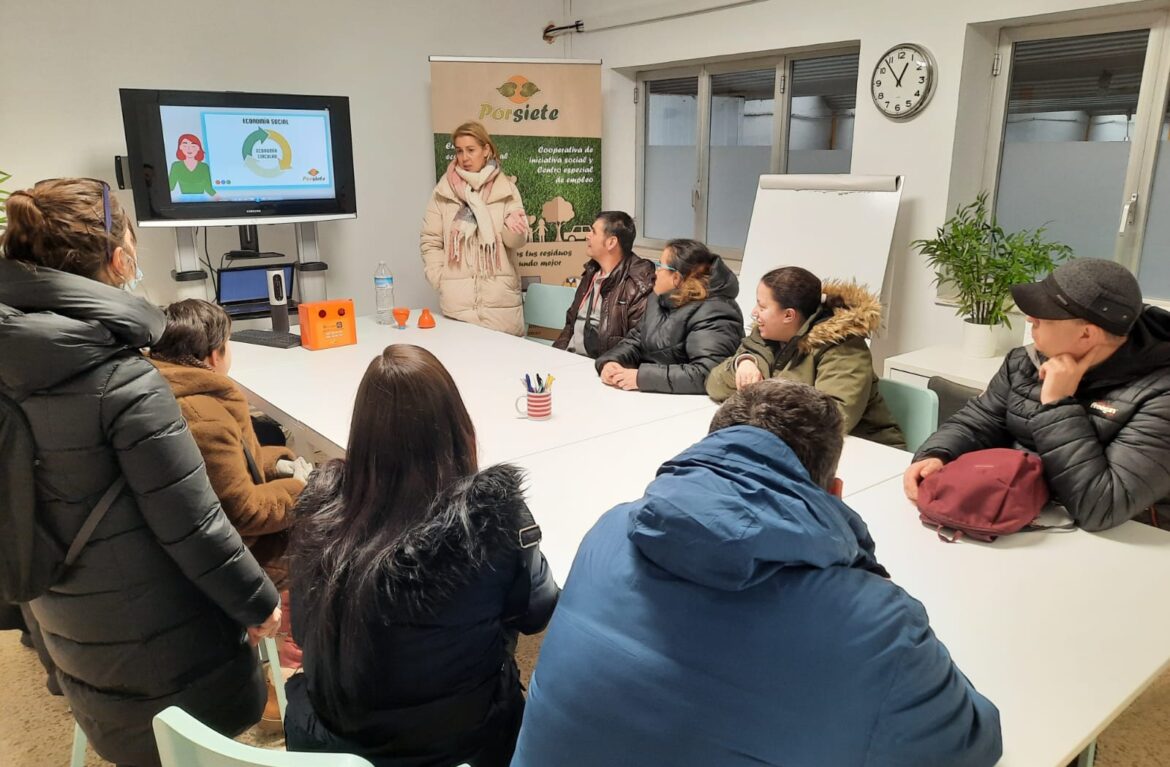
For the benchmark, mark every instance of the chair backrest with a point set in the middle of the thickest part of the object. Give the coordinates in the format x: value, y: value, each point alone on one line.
x: 546, y: 305
x: 183, y: 741
x: 914, y: 408
x: 951, y: 396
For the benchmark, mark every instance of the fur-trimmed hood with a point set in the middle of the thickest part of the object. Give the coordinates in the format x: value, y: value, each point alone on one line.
x: 474, y: 523
x: 861, y: 316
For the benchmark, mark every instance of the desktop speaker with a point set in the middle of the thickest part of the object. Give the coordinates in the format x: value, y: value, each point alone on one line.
x: 326, y: 324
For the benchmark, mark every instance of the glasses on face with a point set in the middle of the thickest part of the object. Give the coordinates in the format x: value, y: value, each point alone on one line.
x: 668, y: 267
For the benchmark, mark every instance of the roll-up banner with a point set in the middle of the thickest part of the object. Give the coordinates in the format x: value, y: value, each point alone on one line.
x: 545, y: 117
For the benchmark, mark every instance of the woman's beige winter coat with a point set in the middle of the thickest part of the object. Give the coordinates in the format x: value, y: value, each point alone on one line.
x: 490, y: 300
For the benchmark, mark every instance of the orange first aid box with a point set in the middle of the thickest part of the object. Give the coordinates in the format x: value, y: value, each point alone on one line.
x: 326, y: 324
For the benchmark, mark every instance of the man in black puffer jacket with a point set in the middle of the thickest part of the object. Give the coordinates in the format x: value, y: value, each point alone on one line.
x: 153, y: 612
x: 1091, y: 396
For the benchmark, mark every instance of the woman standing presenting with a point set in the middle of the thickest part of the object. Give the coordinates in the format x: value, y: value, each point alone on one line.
x: 473, y: 224
x: 152, y: 614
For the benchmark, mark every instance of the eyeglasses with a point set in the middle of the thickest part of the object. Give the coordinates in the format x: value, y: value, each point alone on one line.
x: 668, y: 267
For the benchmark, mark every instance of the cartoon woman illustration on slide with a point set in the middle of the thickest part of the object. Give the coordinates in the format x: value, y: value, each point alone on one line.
x: 190, y: 173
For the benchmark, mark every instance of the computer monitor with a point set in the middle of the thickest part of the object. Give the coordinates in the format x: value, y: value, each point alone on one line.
x: 200, y: 158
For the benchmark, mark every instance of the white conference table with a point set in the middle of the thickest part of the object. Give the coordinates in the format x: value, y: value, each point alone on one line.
x: 569, y: 487
x: 313, y: 392
x: 1061, y: 630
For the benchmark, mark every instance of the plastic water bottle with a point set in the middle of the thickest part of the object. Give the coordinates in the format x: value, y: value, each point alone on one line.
x: 384, y: 294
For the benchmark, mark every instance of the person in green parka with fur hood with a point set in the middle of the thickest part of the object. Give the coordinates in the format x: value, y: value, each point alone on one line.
x: 817, y: 338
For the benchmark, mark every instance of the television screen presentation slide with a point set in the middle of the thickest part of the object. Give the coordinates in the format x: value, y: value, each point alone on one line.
x: 218, y: 154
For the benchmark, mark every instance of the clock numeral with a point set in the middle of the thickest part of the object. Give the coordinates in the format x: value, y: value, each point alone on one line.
x: 877, y: 83
x: 901, y: 55
x: 921, y: 79
x: 882, y: 71
x: 882, y: 96
x: 887, y: 104
x: 897, y: 107
x: 890, y: 60
x: 917, y: 93
x: 920, y: 65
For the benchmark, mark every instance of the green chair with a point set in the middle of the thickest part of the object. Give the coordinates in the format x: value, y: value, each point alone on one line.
x: 545, y: 306
x: 915, y: 409
x: 183, y: 741
x: 267, y: 652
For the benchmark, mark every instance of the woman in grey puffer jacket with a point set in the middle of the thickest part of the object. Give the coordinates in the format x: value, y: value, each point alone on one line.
x: 154, y: 611
x: 690, y: 326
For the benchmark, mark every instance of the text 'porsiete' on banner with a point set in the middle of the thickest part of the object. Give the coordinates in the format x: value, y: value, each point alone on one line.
x: 545, y: 117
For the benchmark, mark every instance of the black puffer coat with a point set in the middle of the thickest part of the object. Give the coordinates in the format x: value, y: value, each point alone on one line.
x: 152, y: 614
x: 1106, y: 450
x: 674, y: 348
x: 436, y: 683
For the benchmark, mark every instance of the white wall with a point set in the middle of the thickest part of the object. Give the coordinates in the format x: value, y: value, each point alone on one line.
x: 939, y: 154
x: 66, y: 59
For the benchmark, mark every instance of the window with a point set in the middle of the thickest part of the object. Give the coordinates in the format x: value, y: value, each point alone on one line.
x: 1079, y: 137
x: 707, y: 133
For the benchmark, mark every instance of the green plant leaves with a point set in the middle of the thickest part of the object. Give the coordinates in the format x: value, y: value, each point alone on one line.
x: 529, y: 89
x: 973, y: 254
x: 507, y: 90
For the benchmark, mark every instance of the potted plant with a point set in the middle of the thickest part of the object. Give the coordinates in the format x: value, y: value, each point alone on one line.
x: 972, y: 255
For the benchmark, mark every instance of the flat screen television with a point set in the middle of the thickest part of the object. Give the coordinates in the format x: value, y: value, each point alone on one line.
x: 200, y: 158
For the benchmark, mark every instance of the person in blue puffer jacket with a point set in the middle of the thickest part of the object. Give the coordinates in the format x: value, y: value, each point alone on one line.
x: 736, y: 615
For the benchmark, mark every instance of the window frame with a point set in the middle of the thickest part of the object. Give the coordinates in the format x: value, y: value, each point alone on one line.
x: 782, y: 62
x: 1148, y: 117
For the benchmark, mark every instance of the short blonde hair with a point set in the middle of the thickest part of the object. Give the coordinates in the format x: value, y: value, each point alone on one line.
x: 480, y: 134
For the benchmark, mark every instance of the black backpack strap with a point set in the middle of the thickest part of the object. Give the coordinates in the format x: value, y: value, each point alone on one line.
x: 253, y: 469
x: 91, y: 522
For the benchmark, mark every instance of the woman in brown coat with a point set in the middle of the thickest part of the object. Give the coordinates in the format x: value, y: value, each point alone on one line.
x: 256, y: 484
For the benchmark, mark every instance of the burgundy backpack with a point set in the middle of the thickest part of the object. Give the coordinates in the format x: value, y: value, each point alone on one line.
x: 984, y: 494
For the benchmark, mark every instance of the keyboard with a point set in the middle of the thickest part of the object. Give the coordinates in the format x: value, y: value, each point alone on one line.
x: 267, y: 338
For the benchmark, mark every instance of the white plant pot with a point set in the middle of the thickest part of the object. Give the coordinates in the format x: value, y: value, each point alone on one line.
x: 980, y: 340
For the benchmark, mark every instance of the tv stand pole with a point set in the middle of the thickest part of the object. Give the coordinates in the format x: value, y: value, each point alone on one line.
x: 309, y: 264
x: 189, y: 272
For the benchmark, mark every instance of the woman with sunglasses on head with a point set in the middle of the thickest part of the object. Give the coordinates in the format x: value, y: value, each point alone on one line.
x: 154, y: 610
x: 691, y: 325
x: 412, y: 572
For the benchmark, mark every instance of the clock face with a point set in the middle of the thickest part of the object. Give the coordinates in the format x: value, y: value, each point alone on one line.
x: 903, y: 80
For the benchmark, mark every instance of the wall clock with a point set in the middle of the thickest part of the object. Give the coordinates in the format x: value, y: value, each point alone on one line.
x: 903, y: 81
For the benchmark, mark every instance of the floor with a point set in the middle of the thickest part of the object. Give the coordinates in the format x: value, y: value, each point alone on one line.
x: 36, y: 729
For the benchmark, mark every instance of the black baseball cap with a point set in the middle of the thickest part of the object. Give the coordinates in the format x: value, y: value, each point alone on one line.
x: 1102, y: 292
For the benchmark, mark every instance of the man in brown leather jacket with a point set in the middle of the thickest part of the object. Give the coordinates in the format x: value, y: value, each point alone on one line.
x: 614, y: 287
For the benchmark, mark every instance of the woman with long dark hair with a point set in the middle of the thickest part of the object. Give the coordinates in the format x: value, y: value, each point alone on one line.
x: 817, y: 334
x: 412, y: 573
x: 689, y: 327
